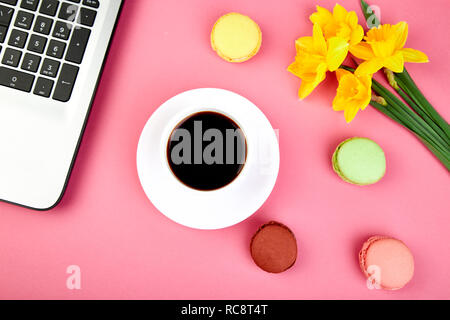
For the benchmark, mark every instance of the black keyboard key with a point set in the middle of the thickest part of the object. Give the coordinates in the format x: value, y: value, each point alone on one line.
x: 16, y: 79
x: 6, y: 14
x: 43, y: 87
x: 75, y: 1
x: 12, y: 57
x: 49, y: 7
x: 66, y: 82
x: 87, y: 17
x: 62, y: 30
x: 43, y: 25
x: 50, y: 68
x: 24, y: 20
x: 56, y: 49
x: 11, y: 2
x: 31, y: 62
x: 3, y: 31
x: 68, y: 11
x: 29, y: 4
x: 18, y: 38
x: 37, y: 44
x: 91, y: 3
x: 77, y: 45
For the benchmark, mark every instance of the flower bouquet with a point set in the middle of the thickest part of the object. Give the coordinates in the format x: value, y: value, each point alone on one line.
x: 338, y: 33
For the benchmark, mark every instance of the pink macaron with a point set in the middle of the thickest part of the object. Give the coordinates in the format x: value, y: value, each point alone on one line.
x: 387, y: 262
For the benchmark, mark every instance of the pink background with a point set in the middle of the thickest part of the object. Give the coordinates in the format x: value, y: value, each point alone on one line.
x: 126, y: 249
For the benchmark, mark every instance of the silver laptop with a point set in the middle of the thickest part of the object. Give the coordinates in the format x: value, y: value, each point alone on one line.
x: 51, y: 56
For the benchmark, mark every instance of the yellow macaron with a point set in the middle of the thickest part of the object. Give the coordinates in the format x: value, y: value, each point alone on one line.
x: 236, y: 37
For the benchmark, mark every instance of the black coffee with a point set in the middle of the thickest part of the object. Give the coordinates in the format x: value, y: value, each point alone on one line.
x: 206, y: 151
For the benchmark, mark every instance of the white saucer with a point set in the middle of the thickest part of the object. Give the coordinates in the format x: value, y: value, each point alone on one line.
x: 208, y: 209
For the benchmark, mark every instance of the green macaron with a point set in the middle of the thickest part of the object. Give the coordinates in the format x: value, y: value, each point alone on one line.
x: 359, y: 161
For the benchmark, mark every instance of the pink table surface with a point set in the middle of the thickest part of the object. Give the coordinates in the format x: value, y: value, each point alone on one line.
x: 127, y: 249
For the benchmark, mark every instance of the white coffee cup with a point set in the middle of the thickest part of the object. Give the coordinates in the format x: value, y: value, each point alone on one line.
x: 221, y: 207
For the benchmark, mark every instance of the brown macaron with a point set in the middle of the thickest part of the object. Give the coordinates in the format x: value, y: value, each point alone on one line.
x: 274, y: 247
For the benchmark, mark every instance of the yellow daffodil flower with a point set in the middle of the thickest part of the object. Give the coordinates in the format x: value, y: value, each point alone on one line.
x: 341, y: 23
x: 353, y: 93
x: 384, y: 47
x: 316, y: 56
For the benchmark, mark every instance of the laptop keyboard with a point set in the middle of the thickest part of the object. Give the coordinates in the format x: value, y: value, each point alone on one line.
x: 42, y: 44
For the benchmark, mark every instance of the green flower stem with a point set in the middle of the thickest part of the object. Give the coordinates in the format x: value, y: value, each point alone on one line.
x: 394, y: 115
x: 408, y: 115
x: 419, y: 116
x: 417, y: 130
x: 369, y: 15
x: 387, y: 110
x: 402, y: 114
x: 394, y: 84
x: 423, y: 114
x: 410, y: 87
x: 438, y: 155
